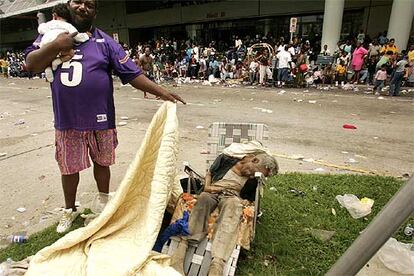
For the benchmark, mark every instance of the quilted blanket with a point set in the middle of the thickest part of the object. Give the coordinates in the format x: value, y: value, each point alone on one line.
x: 119, y: 241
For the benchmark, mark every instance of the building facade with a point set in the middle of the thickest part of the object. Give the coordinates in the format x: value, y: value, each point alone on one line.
x: 137, y: 21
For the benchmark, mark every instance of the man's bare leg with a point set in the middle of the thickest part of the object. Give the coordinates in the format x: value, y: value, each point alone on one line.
x: 102, y: 176
x: 70, y: 185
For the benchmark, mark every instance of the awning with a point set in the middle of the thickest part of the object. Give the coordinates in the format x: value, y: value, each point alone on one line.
x: 10, y: 8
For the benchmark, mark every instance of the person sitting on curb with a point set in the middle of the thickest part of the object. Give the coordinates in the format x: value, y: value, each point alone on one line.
x: 224, y: 193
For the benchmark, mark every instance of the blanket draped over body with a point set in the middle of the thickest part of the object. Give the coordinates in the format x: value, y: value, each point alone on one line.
x: 120, y: 240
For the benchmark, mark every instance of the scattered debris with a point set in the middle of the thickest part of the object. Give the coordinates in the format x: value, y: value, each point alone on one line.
x: 406, y: 175
x: 3, y: 154
x: 312, y: 101
x: 298, y: 156
x: 272, y: 188
x: 125, y: 118
x: 122, y: 123
x: 41, y: 177
x: 305, y: 91
x: 409, y: 230
x: 265, y: 101
x: 333, y: 211
x: 309, y: 160
x: 314, y: 188
x: 344, y: 152
x: 281, y: 92
x: 19, y: 122
x: 199, y: 127
x: 397, y: 256
x: 375, y: 137
x: 204, y: 151
x: 356, y: 207
x: 21, y: 209
x: 297, y: 192
x: 380, y: 98
x: 348, y: 126
x: 351, y: 161
x: 322, y: 235
x: 319, y: 170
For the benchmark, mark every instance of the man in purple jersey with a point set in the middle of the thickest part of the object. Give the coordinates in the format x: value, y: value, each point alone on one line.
x: 83, y: 104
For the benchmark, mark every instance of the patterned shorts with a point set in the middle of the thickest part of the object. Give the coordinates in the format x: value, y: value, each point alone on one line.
x: 73, y: 148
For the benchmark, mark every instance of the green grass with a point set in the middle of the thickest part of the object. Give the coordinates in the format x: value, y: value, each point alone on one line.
x: 282, y: 239
x: 36, y: 242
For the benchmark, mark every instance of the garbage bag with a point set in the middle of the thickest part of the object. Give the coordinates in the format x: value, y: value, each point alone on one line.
x: 397, y: 256
x: 357, y: 208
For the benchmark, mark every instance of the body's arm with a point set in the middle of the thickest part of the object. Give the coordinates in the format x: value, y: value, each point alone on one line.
x: 143, y: 83
x: 38, y: 60
x: 208, y: 178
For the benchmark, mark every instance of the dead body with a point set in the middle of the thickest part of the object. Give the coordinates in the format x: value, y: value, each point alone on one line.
x: 224, y: 194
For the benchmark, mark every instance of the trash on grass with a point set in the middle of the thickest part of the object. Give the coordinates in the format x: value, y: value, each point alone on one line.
x: 356, y: 207
x: 322, y: 235
x: 397, y: 256
x: 333, y: 211
x: 319, y: 170
x: 297, y: 192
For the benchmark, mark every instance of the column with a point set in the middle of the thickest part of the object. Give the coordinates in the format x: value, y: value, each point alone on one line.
x: 267, y: 29
x: 332, y: 23
x: 400, y: 22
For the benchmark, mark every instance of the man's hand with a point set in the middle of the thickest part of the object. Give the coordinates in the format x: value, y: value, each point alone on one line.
x: 65, y: 41
x: 143, y: 83
x: 173, y: 97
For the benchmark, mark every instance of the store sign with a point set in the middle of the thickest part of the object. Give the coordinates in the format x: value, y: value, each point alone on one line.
x: 115, y: 37
x: 293, y: 24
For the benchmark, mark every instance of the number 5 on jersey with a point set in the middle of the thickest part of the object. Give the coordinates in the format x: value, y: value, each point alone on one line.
x: 77, y: 68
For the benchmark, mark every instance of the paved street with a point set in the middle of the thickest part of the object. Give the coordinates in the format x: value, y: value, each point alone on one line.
x: 307, y: 124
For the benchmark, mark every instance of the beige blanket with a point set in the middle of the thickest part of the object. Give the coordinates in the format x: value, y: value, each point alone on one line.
x: 120, y: 240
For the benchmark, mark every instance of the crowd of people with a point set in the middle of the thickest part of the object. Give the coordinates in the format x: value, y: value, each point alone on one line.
x: 267, y: 61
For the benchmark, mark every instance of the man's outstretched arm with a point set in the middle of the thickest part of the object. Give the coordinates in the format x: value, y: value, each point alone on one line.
x: 38, y: 60
x: 143, y: 83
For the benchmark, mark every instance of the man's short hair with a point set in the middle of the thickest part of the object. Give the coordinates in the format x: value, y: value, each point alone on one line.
x: 269, y: 162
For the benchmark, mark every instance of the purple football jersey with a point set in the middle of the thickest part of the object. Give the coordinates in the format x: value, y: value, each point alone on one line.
x: 82, y: 90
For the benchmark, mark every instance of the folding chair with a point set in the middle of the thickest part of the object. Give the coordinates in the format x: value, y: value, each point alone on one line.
x: 198, y: 257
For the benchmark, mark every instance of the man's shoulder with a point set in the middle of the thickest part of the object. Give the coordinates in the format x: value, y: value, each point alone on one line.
x: 104, y: 37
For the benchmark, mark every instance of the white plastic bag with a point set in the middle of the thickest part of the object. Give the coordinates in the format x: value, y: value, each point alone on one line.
x: 357, y: 208
x: 397, y: 256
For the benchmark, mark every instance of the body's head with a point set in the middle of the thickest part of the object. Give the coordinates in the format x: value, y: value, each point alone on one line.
x: 83, y: 13
x: 325, y: 47
x: 147, y: 51
x: 391, y: 43
x: 262, y: 162
x: 61, y: 12
x: 383, y: 67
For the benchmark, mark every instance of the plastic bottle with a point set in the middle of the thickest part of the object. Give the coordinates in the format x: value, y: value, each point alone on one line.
x: 16, y: 238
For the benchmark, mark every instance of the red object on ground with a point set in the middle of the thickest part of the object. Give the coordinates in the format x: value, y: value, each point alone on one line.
x: 349, y: 126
